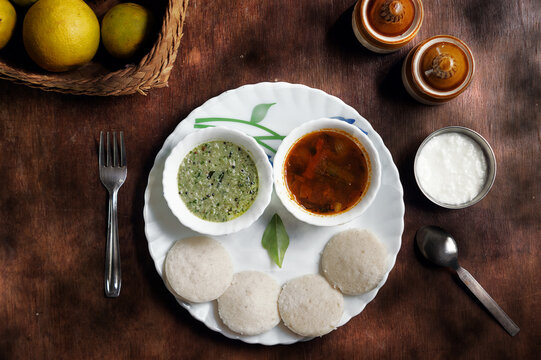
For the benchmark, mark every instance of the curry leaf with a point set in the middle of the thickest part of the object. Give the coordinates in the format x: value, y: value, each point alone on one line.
x: 276, y: 240
x: 259, y: 112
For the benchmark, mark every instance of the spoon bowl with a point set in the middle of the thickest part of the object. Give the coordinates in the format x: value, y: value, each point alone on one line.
x: 438, y: 246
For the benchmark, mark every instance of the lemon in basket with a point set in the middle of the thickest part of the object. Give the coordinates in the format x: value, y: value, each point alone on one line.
x: 8, y: 18
x: 125, y: 28
x: 23, y: 3
x: 60, y: 35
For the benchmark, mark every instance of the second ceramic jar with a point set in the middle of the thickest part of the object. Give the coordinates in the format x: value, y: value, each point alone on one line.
x: 438, y: 69
x: 384, y: 26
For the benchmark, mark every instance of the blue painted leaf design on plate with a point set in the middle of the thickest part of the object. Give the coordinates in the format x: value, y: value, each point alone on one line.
x: 349, y: 121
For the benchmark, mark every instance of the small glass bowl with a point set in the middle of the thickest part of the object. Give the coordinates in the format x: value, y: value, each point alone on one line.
x: 170, y: 181
x: 489, y: 157
x: 280, y: 182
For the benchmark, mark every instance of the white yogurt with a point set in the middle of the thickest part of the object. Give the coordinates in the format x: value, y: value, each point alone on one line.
x: 451, y: 168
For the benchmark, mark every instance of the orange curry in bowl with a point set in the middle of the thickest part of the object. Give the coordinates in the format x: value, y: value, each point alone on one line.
x: 327, y: 172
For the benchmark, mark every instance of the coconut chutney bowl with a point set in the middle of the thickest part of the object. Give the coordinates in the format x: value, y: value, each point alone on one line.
x: 217, y: 181
x: 326, y: 172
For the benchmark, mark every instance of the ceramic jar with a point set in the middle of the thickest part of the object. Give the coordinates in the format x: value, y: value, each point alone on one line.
x: 438, y: 69
x: 384, y: 26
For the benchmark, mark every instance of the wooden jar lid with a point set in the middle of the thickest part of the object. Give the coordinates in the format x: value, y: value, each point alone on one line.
x: 386, y: 25
x: 444, y: 66
x: 390, y: 17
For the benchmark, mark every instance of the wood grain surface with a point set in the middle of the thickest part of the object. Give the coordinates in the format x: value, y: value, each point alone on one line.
x: 53, y: 206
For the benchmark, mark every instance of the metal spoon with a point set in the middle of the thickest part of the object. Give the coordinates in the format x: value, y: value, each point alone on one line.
x: 438, y: 246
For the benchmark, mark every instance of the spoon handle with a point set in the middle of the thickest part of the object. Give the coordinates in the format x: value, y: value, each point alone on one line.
x: 489, y: 302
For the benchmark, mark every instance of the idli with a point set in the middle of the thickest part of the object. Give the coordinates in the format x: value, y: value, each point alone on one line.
x: 250, y: 305
x: 354, y: 261
x: 309, y: 306
x: 198, y: 269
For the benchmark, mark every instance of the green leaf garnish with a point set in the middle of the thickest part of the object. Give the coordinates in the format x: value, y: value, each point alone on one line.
x: 276, y: 240
x: 259, y: 112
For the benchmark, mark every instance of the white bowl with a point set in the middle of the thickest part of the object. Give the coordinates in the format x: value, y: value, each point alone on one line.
x: 170, y: 182
x: 287, y: 198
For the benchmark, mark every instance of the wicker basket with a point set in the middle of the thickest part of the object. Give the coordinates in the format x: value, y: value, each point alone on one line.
x: 95, y: 78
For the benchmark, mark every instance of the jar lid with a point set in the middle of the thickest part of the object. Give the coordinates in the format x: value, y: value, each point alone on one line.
x: 391, y: 17
x: 443, y: 66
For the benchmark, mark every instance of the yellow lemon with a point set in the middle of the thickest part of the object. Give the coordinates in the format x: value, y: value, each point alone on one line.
x: 125, y: 29
x: 8, y: 18
x: 60, y: 35
x: 23, y: 3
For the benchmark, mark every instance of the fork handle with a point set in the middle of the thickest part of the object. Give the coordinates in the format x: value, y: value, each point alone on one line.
x: 113, y: 278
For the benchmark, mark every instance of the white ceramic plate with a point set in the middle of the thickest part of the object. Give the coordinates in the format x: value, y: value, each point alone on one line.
x: 242, y: 109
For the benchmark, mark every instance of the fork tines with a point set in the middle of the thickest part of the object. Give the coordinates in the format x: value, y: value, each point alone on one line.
x: 105, y: 154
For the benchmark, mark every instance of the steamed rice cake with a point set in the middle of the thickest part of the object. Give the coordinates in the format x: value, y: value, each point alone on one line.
x: 309, y: 306
x: 250, y: 305
x: 198, y: 269
x: 354, y: 261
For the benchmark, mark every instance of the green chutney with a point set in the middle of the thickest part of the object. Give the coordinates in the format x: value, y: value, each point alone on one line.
x: 218, y: 181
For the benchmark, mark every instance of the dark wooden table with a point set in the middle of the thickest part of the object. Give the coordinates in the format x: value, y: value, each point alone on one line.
x: 52, y: 205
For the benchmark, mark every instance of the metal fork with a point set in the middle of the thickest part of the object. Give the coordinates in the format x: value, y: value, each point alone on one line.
x: 113, y: 172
